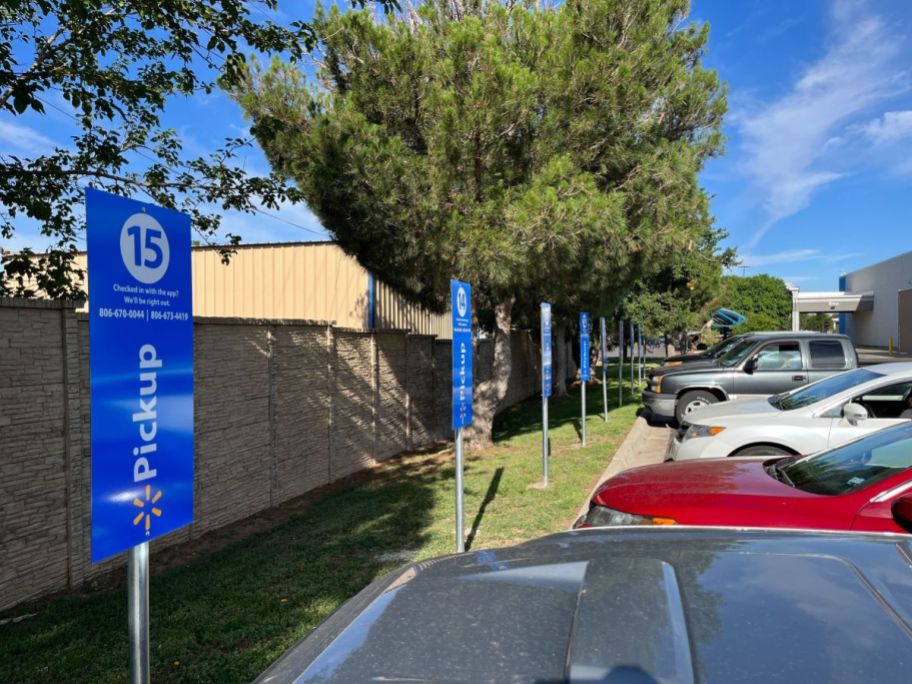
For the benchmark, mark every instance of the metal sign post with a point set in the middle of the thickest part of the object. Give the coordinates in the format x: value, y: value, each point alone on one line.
x: 642, y: 354
x: 546, y: 381
x: 461, y: 303
x: 639, y: 355
x: 584, y: 367
x: 141, y: 368
x: 138, y: 612
x: 621, y: 364
x: 604, y: 367
x: 632, y: 363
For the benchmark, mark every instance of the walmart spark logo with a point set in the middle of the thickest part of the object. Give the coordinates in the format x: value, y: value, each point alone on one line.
x: 147, y: 511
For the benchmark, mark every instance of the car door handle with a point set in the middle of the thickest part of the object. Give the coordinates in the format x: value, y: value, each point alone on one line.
x: 798, y: 378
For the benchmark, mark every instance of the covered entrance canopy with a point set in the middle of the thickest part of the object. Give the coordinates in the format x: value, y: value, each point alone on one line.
x: 832, y: 302
x: 829, y: 302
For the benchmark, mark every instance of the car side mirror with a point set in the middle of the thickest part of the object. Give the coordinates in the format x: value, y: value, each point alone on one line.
x: 854, y: 413
x: 750, y: 365
x: 902, y: 512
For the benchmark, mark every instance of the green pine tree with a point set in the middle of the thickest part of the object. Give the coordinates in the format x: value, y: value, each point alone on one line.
x: 536, y: 151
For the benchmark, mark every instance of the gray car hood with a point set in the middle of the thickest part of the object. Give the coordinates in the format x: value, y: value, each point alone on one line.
x: 631, y: 605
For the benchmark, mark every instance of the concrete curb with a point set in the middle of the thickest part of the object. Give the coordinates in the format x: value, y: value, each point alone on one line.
x: 644, y: 445
x: 625, y: 457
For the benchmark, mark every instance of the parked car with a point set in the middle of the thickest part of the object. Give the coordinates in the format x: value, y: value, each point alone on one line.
x: 863, y: 485
x: 820, y: 415
x: 757, y: 366
x: 629, y: 606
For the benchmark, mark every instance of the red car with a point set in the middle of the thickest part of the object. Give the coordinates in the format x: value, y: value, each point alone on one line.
x: 863, y: 485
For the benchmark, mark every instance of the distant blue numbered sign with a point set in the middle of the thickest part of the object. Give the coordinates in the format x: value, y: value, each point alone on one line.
x: 461, y: 300
x: 141, y: 358
x: 546, y: 349
x: 584, y: 345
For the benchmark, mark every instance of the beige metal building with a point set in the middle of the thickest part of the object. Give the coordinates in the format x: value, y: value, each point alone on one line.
x: 301, y: 280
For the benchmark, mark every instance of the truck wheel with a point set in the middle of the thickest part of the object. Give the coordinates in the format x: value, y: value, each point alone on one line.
x: 691, y: 401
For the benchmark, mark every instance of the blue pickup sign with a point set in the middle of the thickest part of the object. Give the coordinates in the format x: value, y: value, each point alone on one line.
x: 141, y: 364
x: 547, y: 378
x: 461, y: 300
x: 584, y: 346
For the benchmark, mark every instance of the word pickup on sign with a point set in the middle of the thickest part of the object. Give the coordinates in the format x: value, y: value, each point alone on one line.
x: 141, y: 363
x: 461, y: 300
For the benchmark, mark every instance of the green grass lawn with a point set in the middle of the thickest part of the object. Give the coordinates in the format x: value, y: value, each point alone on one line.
x: 227, y: 615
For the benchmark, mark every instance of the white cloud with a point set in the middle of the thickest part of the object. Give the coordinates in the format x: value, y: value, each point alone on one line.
x: 787, y: 257
x: 891, y: 127
x: 787, y: 140
x: 23, y: 139
x: 791, y: 256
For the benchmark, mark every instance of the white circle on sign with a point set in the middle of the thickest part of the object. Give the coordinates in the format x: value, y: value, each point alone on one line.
x: 462, y: 303
x: 144, y: 248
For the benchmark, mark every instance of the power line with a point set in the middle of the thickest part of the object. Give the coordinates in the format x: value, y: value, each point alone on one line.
x: 290, y: 223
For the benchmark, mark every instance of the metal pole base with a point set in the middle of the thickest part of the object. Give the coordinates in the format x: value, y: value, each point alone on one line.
x: 138, y: 612
x: 583, y: 397
x: 545, y: 444
x: 460, y: 488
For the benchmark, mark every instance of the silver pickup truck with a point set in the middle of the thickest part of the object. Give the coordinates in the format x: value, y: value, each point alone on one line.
x: 759, y: 365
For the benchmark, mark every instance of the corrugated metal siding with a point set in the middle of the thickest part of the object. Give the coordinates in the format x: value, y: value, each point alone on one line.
x: 311, y: 281
x: 395, y: 312
x: 314, y: 282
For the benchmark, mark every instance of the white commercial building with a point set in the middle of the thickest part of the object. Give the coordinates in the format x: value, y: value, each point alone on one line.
x: 889, y: 283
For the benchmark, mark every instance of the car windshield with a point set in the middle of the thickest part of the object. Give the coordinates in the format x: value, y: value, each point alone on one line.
x: 736, y: 354
x: 719, y: 349
x: 853, y: 466
x: 822, y: 389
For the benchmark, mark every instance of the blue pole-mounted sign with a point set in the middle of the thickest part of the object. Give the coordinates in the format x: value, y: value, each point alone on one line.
x: 584, y: 346
x: 547, y: 377
x: 141, y: 364
x: 461, y: 300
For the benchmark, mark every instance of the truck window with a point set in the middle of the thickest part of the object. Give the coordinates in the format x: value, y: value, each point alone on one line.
x: 779, y: 356
x: 827, y: 354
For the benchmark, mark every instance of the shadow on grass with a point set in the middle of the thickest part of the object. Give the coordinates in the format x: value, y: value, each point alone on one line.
x: 489, y: 497
x: 525, y: 417
x: 226, y: 616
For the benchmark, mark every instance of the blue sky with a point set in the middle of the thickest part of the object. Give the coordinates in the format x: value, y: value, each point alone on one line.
x: 817, y: 174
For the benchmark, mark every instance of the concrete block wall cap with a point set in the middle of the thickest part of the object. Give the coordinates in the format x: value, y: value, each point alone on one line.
x: 392, y: 331
x: 227, y: 320
x: 353, y: 331
x: 28, y: 303
x: 423, y: 336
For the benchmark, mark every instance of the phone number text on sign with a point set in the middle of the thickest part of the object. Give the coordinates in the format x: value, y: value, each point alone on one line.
x: 106, y: 312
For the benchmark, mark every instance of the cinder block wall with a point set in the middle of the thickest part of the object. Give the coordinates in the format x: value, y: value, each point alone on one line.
x: 281, y: 407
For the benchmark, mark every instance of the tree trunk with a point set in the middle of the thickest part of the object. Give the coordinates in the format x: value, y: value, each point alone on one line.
x: 490, y: 394
x: 560, y: 373
x: 572, y: 367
